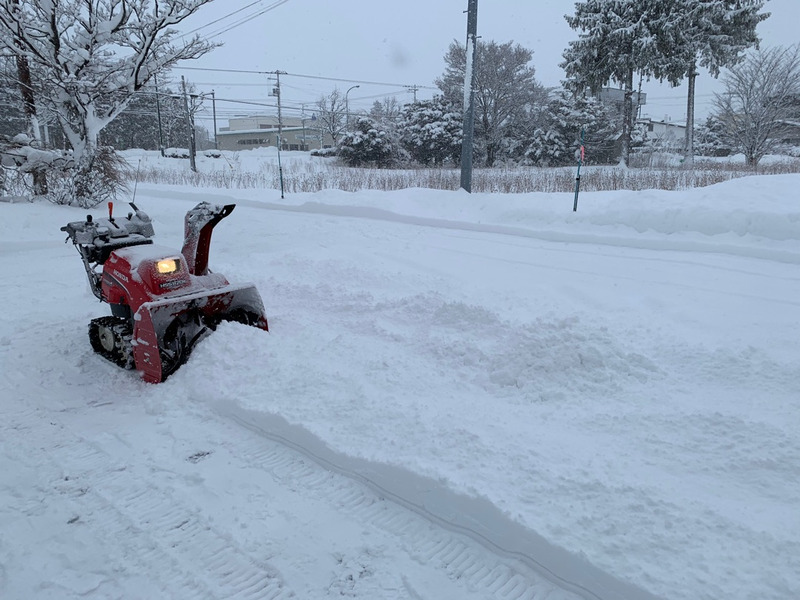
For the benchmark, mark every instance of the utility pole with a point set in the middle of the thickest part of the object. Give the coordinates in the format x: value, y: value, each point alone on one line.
x: 276, y: 91
x: 469, y: 96
x: 158, y: 116
x: 189, y: 126
x: 413, y: 89
x: 303, y: 121
x: 214, y: 114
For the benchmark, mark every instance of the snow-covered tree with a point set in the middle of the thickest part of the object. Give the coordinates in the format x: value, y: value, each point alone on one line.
x: 93, y: 56
x: 332, y: 114
x: 431, y: 131
x: 505, y: 91
x: 386, y: 112
x: 701, y: 33
x: 558, y: 138
x: 12, y: 115
x: 614, y: 43
x: 759, y: 103
x: 709, y: 136
x: 367, y: 144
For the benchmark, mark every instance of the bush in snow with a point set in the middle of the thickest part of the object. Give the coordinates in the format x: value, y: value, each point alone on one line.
x: 176, y: 153
x: 431, y: 131
x: 22, y: 159
x: 324, y: 152
x: 108, y: 176
x: 368, y: 144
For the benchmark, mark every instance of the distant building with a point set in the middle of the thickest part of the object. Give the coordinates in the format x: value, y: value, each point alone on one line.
x: 244, y: 133
x: 666, y: 134
x: 616, y: 97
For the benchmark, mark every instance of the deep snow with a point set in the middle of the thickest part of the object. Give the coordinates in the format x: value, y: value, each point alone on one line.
x: 623, y: 381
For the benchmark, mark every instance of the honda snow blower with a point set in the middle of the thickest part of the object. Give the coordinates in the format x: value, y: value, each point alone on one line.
x: 162, y: 302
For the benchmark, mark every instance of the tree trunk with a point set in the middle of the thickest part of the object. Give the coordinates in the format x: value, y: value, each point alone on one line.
x: 627, y: 119
x: 689, y: 145
x: 29, y: 104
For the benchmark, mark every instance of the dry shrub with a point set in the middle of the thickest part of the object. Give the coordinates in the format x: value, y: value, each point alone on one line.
x: 313, y: 177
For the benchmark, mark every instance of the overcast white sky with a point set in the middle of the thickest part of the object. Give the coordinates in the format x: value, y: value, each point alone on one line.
x: 387, y: 47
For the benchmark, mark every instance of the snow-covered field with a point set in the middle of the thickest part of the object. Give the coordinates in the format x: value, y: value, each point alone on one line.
x: 617, y: 387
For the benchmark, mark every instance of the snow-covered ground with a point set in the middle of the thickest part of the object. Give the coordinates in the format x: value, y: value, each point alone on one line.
x: 617, y: 387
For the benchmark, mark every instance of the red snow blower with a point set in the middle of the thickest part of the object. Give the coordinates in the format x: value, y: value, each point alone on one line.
x: 162, y: 302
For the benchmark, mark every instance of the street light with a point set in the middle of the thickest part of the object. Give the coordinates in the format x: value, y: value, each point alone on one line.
x: 347, y: 107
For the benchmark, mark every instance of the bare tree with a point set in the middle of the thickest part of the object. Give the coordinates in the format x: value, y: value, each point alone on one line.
x: 505, y: 92
x: 760, y: 99
x: 94, y: 55
x: 332, y: 114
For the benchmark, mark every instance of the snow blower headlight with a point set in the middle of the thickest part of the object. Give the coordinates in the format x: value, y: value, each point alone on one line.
x: 168, y: 265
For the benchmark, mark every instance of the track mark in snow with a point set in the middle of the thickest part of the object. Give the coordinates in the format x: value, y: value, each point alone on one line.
x: 464, y: 561
x: 210, y: 564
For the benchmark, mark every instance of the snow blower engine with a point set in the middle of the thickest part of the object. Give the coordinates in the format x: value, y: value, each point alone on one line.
x: 162, y: 302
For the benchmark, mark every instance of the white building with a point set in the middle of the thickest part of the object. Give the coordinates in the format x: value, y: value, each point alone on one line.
x: 243, y: 133
x: 665, y: 134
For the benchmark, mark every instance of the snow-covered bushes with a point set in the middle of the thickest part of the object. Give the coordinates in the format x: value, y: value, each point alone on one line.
x: 368, y: 144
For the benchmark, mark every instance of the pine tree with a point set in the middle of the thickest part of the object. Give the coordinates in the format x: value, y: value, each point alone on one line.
x: 701, y: 33
x: 614, y: 43
x: 431, y: 131
x: 367, y: 144
x: 555, y: 142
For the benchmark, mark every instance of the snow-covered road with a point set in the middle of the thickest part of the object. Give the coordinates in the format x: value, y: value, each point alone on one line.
x: 609, y: 401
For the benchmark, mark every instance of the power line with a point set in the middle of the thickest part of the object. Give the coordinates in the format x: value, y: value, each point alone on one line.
x: 241, y: 21
x: 338, y: 79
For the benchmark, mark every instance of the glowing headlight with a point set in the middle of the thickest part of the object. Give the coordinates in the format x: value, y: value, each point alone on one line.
x: 168, y: 265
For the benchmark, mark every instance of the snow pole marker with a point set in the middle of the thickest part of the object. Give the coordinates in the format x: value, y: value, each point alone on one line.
x: 578, y: 176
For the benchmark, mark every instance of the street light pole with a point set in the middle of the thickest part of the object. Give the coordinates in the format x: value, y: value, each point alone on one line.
x: 347, y: 107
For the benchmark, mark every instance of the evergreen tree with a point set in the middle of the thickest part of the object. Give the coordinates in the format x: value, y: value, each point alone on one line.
x: 367, y: 144
x: 701, y: 33
x: 431, y: 131
x: 614, y: 43
x: 709, y: 136
x: 557, y: 140
x: 505, y: 91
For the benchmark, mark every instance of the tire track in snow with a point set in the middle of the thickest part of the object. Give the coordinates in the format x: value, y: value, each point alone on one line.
x: 460, y: 557
x: 467, y: 538
x: 134, y: 548
x: 173, y: 532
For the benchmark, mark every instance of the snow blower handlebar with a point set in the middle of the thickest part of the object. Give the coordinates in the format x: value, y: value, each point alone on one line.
x: 199, y: 224
x: 96, y: 239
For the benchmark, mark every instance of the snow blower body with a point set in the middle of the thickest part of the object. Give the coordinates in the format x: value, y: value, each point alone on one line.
x: 162, y: 301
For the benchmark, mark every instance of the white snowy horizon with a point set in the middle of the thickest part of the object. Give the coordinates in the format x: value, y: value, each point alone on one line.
x: 606, y: 398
